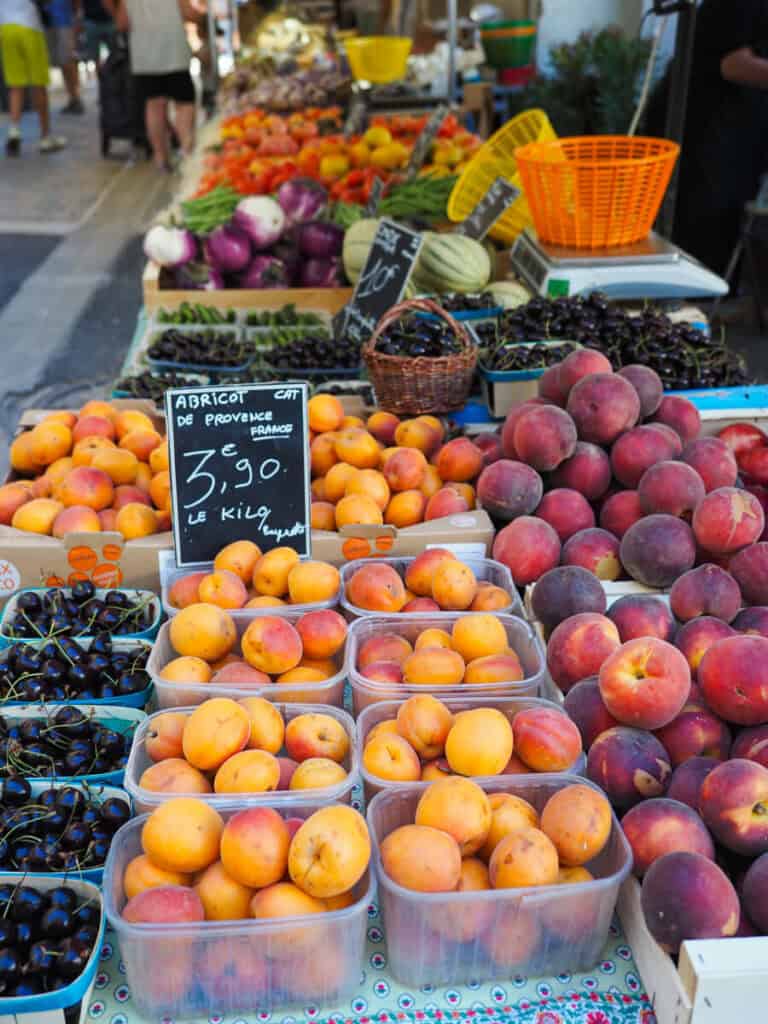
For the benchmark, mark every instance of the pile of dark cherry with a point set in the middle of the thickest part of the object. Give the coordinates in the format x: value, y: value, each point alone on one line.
x: 78, y: 612
x: 67, y: 743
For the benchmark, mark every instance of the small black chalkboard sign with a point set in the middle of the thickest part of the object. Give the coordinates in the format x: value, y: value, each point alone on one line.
x: 424, y: 141
x: 239, y: 463
x: 382, y: 280
x: 499, y: 197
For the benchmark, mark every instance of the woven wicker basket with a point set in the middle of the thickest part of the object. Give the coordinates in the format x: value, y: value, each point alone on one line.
x: 421, y: 384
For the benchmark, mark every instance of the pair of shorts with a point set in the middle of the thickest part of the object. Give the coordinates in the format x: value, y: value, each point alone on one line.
x: 24, y: 56
x: 61, y: 45
x: 175, y: 85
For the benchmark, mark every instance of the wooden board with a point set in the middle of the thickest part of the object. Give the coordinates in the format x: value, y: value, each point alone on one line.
x: 328, y: 300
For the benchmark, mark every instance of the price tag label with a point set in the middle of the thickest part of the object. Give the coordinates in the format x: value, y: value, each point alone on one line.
x: 239, y: 463
x: 382, y: 281
x: 355, y: 121
x: 424, y: 141
x: 377, y: 191
x: 495, y: 202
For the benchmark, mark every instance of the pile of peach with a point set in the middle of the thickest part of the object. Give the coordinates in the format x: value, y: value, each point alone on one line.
x: 243, y: 577
x: 227, y: 746
x: 426, y: 741
x: 476, y: 651
x: 604, y: 472
x: 272, y: 649
x: 100, y: 469
x: 385, y: 470
x: 435, y: 581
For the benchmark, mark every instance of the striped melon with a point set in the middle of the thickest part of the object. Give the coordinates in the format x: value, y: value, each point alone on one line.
x: 451, y: 263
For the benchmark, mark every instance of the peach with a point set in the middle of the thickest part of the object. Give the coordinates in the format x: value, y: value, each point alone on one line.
x: 322, y: 455
x: 645, y: 683
x: 311, y: 582
x: 544, y: 437
x: 76, y: 519
x: 566, y: 591
x: 376, y: 587
x: 223, y: 898
x: 330, y: 852
x: 639, y: 615
x: 529, y: 547
x: 287, y: 768
x: 595, y: 550
x: 658, y: 549
x: 271, y: 644
x: 671, y: 435
x: 325, y: 412
x: 270, y: 574
x: 696, y: 637
x: 495, y: 668
x: 687, y: 778
x: 249, y: 771
x: 164, y: 904
x: 182, y: 834
x: 578, y: 820
x: 405, y: 509
x: 141, y: 874
x: 446, y: 502
x: 480, y: 742
x: 619, y: 512
x: 317, y: 773
x: 635, y: 452
x: 508, y: 814
x: 433, y: 638
x: 214, y: 731
x: 240, y: 674
x: 705, y: 590
x: 459, y: 460
x: 419, y: 434
x: 37, y: 516
x: 174, y: 775
x: 391, y: 757
x: 516, y: 412
x: 740, y: 437
x: 586, y: 709
x: 603, y: 406
x: 752, y: 745
x: 648, y: 386
x: 728, y: 519
x: 125, y: 494
x: 523, y: 858
x: 383, y: 647
x: 733, y: 802
x: 549, y: 386
x: 322, y: 633
x: 694, y: 732
x: 388, y: 672
x: 425, y: 723
x: 685, y: 896
x: 753, y: 465
x: 239, y: 557
x: 478, y: 636
x: 581, y: 363
x: 12, y: 497
x: 422, y: 858
x: 266, y: 725
x: 754, y: 893
x: 578, y: 647
x: 508, y: 489
x: 405, y: 469
x: 419, y: 574
x: 432, y: 667
x: 254, y: 847
x: 742, y: 658
x: 629, y: 765
x: 164, y: 736
x: 490, y: 446
x: 670, y: 487
x: 383, y: 426
x: 459, y: 807
x: 750, y: 570
x: 680, y: 414
x: 224, y: 589
x: 587, y: 471
x: 713, y: 461
x: 86, y: 486
x: 566, y: 511
x: 203, y: 631
x: 357, y: 447
x: 316, y: 735
x: 545, y: 739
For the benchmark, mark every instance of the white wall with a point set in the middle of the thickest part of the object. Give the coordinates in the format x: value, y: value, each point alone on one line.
x: 561, y: 21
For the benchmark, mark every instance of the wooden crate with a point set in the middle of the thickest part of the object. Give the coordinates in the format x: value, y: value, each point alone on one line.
x: 318, y: 300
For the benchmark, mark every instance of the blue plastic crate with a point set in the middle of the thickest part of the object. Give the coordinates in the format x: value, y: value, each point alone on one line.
x: 747, y: 398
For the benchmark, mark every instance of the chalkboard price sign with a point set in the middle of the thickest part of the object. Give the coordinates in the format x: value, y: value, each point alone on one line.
x: 425, y: 140
x: 382, y: 280
x: 377, y: 193
x: 499, y: 197
x: 239, y: 462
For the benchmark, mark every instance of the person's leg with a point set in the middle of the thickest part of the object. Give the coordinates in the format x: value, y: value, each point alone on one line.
x: 15, y: 106
x: 156, y: 114
x: 40, y: 101
x: 70, y: 69
x: 37, y: 58
x: 71, y: 76
x: 185, y: 126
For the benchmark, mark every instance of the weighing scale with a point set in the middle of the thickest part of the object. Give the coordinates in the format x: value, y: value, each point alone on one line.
x: 651, y: 269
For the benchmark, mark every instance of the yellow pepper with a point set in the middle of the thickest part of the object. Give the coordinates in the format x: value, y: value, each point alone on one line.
x: 389, y: 157
x: 377, y: 136
x: 334, y: 165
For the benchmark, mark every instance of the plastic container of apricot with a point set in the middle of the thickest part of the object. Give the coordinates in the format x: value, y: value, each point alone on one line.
x: 387, y: 709
x: 457, y: 937
x: 146, y: 800
x: 521, y: 639
x: 181, y: 694
x: 226, y: 967
x: 485, y: 570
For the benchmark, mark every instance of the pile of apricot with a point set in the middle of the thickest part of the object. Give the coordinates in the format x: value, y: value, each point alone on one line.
x: 427, y: 741
x: 243, y: 577
x: 103, y: 468
x: 227, y: 746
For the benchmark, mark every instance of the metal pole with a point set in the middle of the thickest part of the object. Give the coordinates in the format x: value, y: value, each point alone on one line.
x: 677, y: 105
x: 213, y: 46
x: 452, y: 42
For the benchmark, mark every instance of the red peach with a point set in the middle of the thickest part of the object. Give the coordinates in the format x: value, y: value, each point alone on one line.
x: 595, y: 550
x: 581, y: 363
x: 587, y: 471
x: 750, y: 570
x: 383, y: 672
x: 752, y: 620
x: 740, y: 437
x: 658, y: 549
x: 490, y: 446
x: 529, y: 547
x: 752, y: 745
x: 671, y: 435
x: 586, y: 708
x: 566, y: 591
x: 603, y: 405
x: 459, y: 460
x: 713, y: 461
x: 508, y: 489
x: 164, y: 904
x: 733, y: 802
x: 728, y: 519
x: 549, y: 386
x: 619, y: 512
x: 629, y: 765
x: 680, y: 414
x: 510, y: 423
x: 687, y: 778
x: 645, y: 683
x: 445, y: 502
x: 566, y: 511
x: 635, y: 452
x: 696, y: 637
x: 638, y: 615
x: 705, y: 590
x: 753, y: 465
x: 733, y: 676
x: 660, y: 826
x: 755, y: 893
x: 127, y: 494
x: 544, y: 437
x: 648, y: 386
x: 579, y: 646
x: 695, y: 732
x: 673, y: 488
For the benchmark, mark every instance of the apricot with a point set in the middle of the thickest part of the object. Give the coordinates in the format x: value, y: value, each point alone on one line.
x: 358, y: 510
x: 136, y: 520
x: 224, y: 589
x: 457, y: 921
x: 387, y: 672
x: 266, y: 724
x: 405, y: 509
x: 372, y: 484
x: 578, y: 820
x: 460, y: 808
x: 495, y: 668
x: 141, y: 442
x: 508, y: 814
x: 303, y: 674
x: 383, y: 426
x: 215, y: 731
x: 223, y: 898
x: 254, y: 847
x: 422, y: 858
x: 265, y: 601
x: 76, y: 519
x: 84, y: 485
x: 383, y: 647
x: 163, y: 738
x: 284, y: 899
x: 49, y: 441
x: 95, y: 407
x: 390, y: 756
x: 120, y: 466
x: 129, y: 420
x: 312, y: 582
x: 322, y: 455
x: 425, y: 723
x: 478, y: 636
x: 336, y: 480
x: 431, y: 483
x: 490, y: 598
x: 454, y: 585
x: 433, y: 638
x: 418, y: 433
x: 316, y: 735
x: 203, y: 631
x: 446, y: 502
x: 322, y: 517
x: 405, y: 469
x: 480, y: 742
x: 84, y: 451
x: 376, y: 587
x: 182, y: 835
x: 159, y: 458
x: 160, y: 490
x: 322, y: 633
x: 174, y: 775
x: 248, y: 771
x: 433, y: 666
x: 166, y: 904
x: 107, y: 519
x: 141, y: 874
x: 37, y: 516
x: 437, y: 769
x: 523, y: 858
x: 317, y: 489
x: 12, y: 497
x: 127, y: 494
x: 272, y: 645
x: 325, y: 413
x: 20, y: 455
x: 357, y: 447
x: 69, y: 419
x: 420, y: 572
x: 317, y: 773
x: 460, y: 460
x: 186, y: 590
x: 270, y: 575
x: 330, y: 852
x: 513, y: 942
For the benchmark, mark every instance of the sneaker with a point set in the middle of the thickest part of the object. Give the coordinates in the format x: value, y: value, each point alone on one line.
x: 73, y: 107
x: 13, y: 145
x: 52, y: 143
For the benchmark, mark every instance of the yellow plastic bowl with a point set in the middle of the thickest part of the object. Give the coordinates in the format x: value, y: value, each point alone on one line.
x: 378, y: 59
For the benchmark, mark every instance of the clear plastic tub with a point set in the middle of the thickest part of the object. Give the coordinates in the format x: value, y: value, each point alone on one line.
x: 179, y: 695
x: 520, y: 635
x: 145, y: 800
x: 509, y: 706
x: 225, y: 967
x: 456, y: 937
x: 170, y: 572
x: 485, y: 569
x: 136, y: 596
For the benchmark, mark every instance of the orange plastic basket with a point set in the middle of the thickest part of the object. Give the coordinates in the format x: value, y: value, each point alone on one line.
x: 596, y: 191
